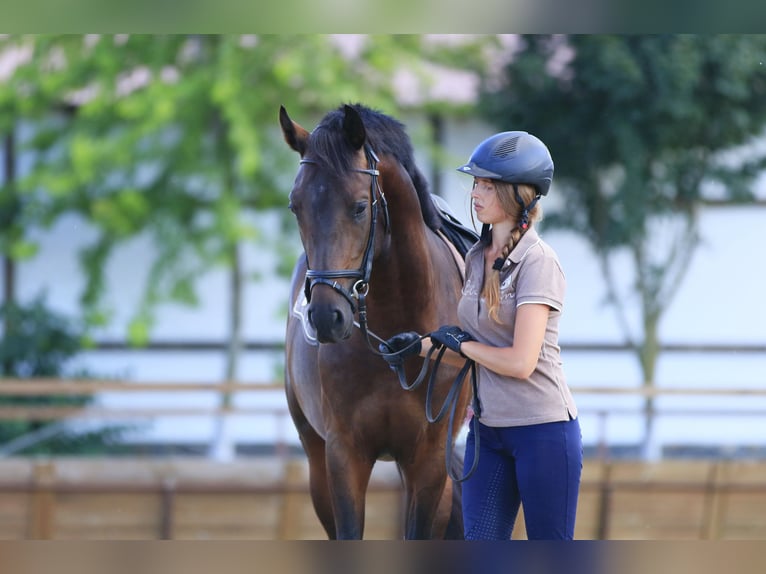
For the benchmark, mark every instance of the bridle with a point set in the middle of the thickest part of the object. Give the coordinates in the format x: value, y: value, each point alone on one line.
x: 361, y: 286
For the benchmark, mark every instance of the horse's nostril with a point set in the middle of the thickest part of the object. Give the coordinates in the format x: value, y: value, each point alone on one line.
x: 329, y: 321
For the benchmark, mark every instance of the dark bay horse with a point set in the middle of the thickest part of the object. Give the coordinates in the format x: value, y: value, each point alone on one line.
x: 369, y: 229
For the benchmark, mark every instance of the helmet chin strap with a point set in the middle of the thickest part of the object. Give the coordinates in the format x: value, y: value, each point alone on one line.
x: 525, y: 209
x: 485, y: 236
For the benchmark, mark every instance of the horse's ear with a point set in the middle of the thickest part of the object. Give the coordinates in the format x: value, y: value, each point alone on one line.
x: 295, y: 136
x: 353, y: 127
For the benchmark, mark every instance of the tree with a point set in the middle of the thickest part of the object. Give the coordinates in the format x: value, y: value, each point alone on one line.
x: 643, y: 130
x: 41, y: 344
x: 170, y: 137
x: 174, y: 137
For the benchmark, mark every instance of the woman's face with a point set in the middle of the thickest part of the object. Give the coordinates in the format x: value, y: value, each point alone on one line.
x: 485, y: 201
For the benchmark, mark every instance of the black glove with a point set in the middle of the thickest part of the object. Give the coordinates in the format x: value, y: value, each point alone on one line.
x: 399, y: 347
x: 450, y: 336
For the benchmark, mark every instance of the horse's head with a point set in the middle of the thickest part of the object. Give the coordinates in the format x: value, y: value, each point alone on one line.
x: 333, y: 199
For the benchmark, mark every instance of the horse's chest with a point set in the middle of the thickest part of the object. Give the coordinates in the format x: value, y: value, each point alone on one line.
x: 349, y: 398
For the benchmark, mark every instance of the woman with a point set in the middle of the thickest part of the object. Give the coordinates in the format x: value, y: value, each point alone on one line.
x: 531, y: 446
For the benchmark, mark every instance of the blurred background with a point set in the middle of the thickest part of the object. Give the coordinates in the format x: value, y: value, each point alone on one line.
x: 146, y: 251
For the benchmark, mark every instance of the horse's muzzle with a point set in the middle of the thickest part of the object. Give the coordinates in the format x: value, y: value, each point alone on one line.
x: 333, y: 322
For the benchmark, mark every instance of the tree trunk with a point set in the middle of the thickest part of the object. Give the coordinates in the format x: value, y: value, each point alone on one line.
x: 222, y: 447
x: 9, y: 165
x: 651, y: 450
x: 9, y: 266
x: 437, y: 135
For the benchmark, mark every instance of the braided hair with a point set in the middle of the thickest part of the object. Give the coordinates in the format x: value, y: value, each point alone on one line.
x: 520, y: 202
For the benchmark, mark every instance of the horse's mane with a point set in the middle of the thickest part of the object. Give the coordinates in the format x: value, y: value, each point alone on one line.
x: 386, y: 136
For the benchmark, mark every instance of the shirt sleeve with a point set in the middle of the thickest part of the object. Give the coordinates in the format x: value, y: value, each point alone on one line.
x: 541, y: 280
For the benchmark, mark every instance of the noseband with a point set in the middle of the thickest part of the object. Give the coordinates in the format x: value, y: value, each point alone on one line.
x: 362, y: 275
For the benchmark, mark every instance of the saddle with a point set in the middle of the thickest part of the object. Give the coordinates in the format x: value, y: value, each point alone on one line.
x: 460, y: 236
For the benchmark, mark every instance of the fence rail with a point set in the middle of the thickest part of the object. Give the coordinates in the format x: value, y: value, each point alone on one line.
x: 27, y: 388
x: 267, y: 498
x: 54, y: 387
x: 41, y: 387
x: 279, y: 346
x: 275, y: 431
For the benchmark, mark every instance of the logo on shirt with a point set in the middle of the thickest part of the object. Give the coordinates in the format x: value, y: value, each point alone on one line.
x: 471, y: 288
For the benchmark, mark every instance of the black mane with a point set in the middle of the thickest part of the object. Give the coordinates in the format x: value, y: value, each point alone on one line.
x: 385, y: 135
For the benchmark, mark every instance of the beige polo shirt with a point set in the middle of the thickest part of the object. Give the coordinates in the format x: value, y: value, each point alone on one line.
x: 531, y: 274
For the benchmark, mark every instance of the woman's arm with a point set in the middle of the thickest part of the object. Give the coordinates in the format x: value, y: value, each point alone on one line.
x: 519, y: 360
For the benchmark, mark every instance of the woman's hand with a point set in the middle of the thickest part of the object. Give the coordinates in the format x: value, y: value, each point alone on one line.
x: 452, y: 337
x: 399, y: 347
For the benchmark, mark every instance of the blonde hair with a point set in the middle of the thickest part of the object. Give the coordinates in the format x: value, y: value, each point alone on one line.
x: 507, y: 198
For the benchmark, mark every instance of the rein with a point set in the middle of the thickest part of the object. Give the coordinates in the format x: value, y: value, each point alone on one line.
x: 450, y: 401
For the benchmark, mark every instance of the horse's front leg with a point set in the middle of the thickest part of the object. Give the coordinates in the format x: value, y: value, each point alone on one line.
x: 348, y: 475
x: 424, y: 483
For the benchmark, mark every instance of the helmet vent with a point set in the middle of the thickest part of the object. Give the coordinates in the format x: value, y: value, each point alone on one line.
x: 506, y: 147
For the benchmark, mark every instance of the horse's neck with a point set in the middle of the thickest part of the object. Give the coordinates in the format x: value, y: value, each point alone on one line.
x: 412, y: 255
x: 413, y: 279
x: 407, y: 280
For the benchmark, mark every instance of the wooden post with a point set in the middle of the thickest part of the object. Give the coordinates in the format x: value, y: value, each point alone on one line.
x: 605, y: 503
x: 289, y: 527
x: 42, y: 501
x: 714, y: 504
x: 167, y: 508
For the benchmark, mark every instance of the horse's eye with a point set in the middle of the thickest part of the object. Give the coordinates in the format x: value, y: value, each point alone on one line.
x: 359, y: 209
x: 291, y: 206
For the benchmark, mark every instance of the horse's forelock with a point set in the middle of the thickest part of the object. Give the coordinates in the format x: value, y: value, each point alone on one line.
x: 329, y: 147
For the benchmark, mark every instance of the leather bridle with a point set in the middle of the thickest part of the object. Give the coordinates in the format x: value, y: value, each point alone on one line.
x: 361, y: 286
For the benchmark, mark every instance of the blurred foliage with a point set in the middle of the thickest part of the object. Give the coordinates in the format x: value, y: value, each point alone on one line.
x: 175, y: 137
x: 642, y: 129
x: 39, y: 344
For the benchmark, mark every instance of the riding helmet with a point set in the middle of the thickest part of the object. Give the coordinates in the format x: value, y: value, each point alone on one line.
x: 513, y: 157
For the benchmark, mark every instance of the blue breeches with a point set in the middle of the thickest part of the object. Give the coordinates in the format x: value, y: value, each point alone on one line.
x: 536, y: 467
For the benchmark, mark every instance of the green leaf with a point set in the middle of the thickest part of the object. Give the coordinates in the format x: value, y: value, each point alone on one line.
x: 21, y: 250
x: 138, y: 330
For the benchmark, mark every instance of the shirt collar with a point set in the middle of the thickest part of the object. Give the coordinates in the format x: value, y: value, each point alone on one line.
x: 527, y: 240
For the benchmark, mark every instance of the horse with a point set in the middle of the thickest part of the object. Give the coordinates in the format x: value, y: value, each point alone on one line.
x: 372, y: 248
